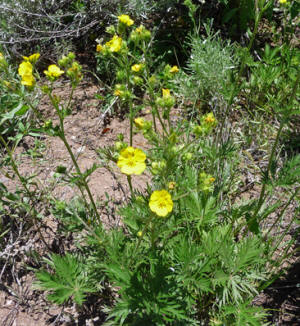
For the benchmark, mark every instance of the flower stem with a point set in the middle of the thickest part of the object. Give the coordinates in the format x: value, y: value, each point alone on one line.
x: 130, y: 185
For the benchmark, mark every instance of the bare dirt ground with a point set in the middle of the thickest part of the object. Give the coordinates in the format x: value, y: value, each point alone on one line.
x: 88, y: 130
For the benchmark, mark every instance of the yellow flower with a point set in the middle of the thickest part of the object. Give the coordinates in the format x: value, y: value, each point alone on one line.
x: 126, y: 20
x: 172, y: 185
x: 137, y: 67
x: 140, y: 29
x: 139, y: 122
x: 2, y: 59
x: 139, y: 234
x: 132, y: 161
x: 210, y: 119
x: 53, y: 72
x: 99, y: 48
x: 174, y: 69
x: 117, y: 92
x: 166, y: 93
x: 32, y: 58
x: 161, y: 203
x: 25, y: 68
x: 114, y: 44
x: 7, y: 83
x: 28, y: 80
x: 282, y: 2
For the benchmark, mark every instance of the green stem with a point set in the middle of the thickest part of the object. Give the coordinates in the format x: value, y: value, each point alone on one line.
x: 130, y: 185
x: 282, y: 123
x: 16, y: 170
x: 131, y: 121
x: 282, y: 213
x: 87, y: 188
x: 63, y: 138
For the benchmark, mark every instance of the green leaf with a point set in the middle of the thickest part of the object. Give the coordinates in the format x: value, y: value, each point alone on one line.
x: 67, y: 280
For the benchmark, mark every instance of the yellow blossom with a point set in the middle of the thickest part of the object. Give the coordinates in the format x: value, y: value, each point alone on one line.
x: 132, y: 161
x: 137, y: 67
x: 25, y: 68
x: 28, y: 80
x: 53, y: 72
x: 140, y: 29
x: 117, y: 92
x: 139, y: 234
x: 99, y: 48
x: 282, y: 2
x: 32, y: 58
x: 2, y: 59
x: 139, y: 122
x: 210, y: 119
x: 174, y: 69
x: 114, y: 45
x: 126, y: 20
x: 166, y: 93
x: 161, y: 203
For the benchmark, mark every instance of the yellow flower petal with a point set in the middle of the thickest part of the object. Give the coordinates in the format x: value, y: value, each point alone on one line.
x: 166, y: 92
x: 32, y: 58
x: 28, y: 80
x: 25, y: 68
x: 174, y: 69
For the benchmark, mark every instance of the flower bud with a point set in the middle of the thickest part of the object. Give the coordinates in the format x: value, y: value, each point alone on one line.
x: 187, y: 156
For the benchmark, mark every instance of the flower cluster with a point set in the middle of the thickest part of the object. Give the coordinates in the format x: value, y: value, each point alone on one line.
x: 122, y: 92
x: 206, y: 182
x: 158, y: 167
x: 132, y: 161
x: 113, y: 45
x: 207, y: 123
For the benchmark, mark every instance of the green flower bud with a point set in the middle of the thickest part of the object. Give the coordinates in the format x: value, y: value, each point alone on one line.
x: 187, y: 156
x: 45, y: 89
x: 71, y: 55
x: 121, y: 75
x: 119, y: 145
x: 110, y: 29
x: 137, y: 80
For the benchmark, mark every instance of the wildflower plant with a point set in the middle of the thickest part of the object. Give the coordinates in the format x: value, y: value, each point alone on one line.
x: 187, y: 251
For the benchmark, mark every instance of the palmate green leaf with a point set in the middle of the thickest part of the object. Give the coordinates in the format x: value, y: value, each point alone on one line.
x: 243, y: 315
x: 68, y: 279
